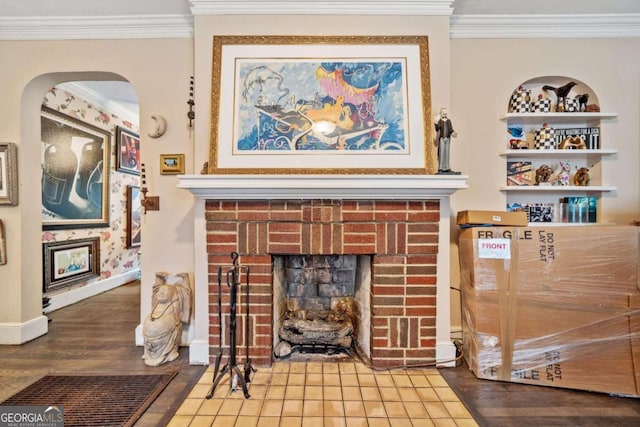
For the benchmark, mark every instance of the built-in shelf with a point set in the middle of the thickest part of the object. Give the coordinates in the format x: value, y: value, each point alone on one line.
x: 558, y: 188
x: 557, y: 153
x: 568, y: 118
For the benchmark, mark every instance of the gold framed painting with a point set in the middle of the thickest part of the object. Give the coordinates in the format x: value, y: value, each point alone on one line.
x: 3, y: 245
x: 8, y: 174
x: 320, y: 104
x: 171, y: 164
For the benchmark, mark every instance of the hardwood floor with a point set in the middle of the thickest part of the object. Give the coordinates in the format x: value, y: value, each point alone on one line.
x: 96, y: 335
x: 501, y: 404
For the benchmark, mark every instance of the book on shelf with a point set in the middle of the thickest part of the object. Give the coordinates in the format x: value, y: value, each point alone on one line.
x: 519, y: 173
x: 536, y: 212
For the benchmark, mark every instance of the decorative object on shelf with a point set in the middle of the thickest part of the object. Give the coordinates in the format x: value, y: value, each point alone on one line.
x: 191, y: 115
x: 580, y: 209
x: 520, y: 101
x: 543, y: 175
x: 544, y: 138
x: 149, y: 203
x: 518, y: 140
x: 162, y: 328
x: 582, y: 177
x: 590, y: 136
x: 561, y: 92
x: 571, y: 105
x: 574, y: 142
x: 3, y: 245
x: 171, y: 164
x: 582, y: 101
x: 8, y: 174
x: 76, y: 172
x: 70, y: 262
x: 563, y: 176
x: 160, y: 126
x: 444, y: 133
x: 127, y: 151
x: 541, y: 105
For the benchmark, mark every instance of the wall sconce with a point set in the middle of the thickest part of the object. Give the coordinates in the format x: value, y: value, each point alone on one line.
x: 191, y: 114
x: 151, y: 203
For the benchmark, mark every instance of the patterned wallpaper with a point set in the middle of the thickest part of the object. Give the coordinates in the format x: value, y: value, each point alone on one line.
x: 115, y: 258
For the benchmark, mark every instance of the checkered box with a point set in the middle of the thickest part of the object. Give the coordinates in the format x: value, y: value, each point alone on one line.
x: 544, y: 138
x: 571, y: 105
x: 541, y: 106
x: 520, y: 101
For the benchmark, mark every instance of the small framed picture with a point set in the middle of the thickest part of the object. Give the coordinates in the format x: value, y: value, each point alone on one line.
x: 3, y: 245
x: 134, y: 216
x: 127, y: 151
x: 8, y: 174
x: 69, y: 262
x: 171, y: 164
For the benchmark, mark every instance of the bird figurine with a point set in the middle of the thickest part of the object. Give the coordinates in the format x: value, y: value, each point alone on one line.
x: 562, y: 93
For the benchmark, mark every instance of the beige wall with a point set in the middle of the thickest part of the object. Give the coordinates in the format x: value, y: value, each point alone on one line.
x: 483, y: 75
x: 474, y: 78
x: 159, y: 70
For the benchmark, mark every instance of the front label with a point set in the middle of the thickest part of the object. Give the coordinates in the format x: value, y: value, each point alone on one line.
x: 494, y: 248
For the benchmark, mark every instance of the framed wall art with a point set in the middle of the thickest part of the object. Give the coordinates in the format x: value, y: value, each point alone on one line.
x: 134, y: 216
x: 127, y: 151
x: 3, y: 245
x: 171, y: 164
x: 75, y: 172
x: 69, y: 262
x: 8, y: 174
x: 320, y: 104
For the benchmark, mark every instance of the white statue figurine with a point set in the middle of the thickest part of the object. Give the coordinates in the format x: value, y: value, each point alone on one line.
x: 171, y: 307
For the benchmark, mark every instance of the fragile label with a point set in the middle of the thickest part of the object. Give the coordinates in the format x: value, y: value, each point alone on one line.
x: 494, y: 248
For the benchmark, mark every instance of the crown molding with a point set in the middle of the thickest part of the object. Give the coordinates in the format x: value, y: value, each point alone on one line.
x: 326, y: 7
x: 545, y: 26
x: 93, y: 97
x: 96, y: 27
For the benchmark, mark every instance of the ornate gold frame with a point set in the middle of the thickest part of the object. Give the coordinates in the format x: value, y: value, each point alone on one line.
x: 427, y: 165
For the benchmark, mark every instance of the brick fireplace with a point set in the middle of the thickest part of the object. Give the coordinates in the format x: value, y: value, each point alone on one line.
x: 401, y: 222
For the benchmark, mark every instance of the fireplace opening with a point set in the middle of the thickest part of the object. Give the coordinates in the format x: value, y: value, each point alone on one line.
x: 321, y: 305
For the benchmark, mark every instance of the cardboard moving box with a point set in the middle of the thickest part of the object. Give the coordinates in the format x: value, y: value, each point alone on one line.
x: 492, y: 218
x: 553, y: 306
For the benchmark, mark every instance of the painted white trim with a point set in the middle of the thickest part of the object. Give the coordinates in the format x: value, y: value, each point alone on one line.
x: 326, y: 7
x: 19, y: 333
x: 72, y: 296
x: 95, y: 27
x: 545, y: 26
x: 99, y: 100
x: 413, y: 187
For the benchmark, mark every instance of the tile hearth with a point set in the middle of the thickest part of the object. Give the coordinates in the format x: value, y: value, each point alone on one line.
x: 310, y: 394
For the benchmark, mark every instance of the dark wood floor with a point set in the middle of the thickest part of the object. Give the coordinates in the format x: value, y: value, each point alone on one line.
x: 96, y: 336
x: 498, y: 404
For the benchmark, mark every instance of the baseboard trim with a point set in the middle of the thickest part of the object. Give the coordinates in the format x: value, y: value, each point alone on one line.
x: 63, y: 299
x: 12, y: 333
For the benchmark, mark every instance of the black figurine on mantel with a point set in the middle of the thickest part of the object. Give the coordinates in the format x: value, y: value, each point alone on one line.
x: 444, y: 133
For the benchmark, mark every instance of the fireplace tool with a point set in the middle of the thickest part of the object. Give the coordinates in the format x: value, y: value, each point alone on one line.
x: 235, y: 375
x: 248, y: 367
x: 216, y: 367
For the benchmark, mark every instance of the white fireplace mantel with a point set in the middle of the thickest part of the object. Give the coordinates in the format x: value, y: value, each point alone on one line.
x: 248, y: 187
x: 296, y: 187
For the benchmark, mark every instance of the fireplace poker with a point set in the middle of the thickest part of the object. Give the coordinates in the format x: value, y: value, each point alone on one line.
x: 248, y: 368
x: 235, y: 375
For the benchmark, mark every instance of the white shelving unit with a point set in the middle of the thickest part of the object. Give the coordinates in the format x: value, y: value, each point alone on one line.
x: 592, y: 159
